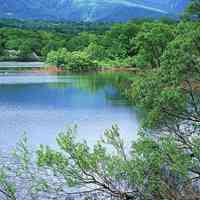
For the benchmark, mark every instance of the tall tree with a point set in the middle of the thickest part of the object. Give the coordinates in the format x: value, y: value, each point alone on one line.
x: 194, y: 8
x: 151, y: 42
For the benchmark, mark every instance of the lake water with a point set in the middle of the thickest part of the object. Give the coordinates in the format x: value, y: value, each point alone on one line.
x: 21, y: 64
x: 42, y: 105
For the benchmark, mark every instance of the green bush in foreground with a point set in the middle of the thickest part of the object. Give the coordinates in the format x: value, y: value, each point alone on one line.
x: 149, y: 169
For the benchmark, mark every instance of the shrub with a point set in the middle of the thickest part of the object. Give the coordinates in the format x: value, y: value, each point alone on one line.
x: 73, y: 61
x: 79, y: 61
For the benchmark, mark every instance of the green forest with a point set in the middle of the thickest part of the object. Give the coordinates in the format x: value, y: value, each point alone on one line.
x: 103, y: 45
x: 164, y: 163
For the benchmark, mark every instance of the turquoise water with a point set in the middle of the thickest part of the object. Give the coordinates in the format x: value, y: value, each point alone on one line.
x: 42, y: 105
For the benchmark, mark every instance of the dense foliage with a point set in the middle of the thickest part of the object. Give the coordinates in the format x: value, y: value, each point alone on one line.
x: 74, y: 61
x: 33, y: 40
x: 70, y: 28
x: 193, y: 9
x: 112, y: 46
x: 164, y: 163
x: 125, y: 44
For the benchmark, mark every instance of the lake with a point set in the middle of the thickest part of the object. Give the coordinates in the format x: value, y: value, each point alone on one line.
x: 42, y: 105
x: 21, y: 64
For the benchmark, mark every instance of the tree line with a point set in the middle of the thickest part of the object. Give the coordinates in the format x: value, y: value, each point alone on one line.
x: 19, y: 40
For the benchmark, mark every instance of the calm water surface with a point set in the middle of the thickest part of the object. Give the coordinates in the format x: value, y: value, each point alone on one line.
x: 43, y: 105
x: 21, y: 64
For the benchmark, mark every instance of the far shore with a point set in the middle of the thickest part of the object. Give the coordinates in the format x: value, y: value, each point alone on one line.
x: 54, y: 69
x: 41, y: 67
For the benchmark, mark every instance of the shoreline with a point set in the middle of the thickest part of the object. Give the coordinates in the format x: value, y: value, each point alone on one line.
x: 54, y: 69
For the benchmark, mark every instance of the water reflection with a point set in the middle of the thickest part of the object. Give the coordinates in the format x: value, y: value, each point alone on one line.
x: 43, y: 105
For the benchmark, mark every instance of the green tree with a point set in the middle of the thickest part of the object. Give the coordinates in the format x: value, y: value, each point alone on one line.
x: 153, y: 169
x: 166, y: 92
x: 79, y: 61
x: 13, y: 44
x: 81, y: 41
x: 95, y: 51
x: 1, y: 46
x: 25, y: 50
x: 51, y: 45
x: 151, y: 42
x: 118, y: 41
x: 194, y: 8
x: 73, y: 61
x: 169, y: 96
x: 57, y: 58
x: 35, y: 45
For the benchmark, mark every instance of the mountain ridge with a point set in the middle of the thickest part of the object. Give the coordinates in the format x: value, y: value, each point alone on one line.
x: 90, y: 10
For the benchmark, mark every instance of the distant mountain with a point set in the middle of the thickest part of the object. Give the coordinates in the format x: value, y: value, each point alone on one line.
x: 90, y: 10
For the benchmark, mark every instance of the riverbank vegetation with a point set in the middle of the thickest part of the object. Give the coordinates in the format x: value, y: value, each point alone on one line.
x: 164, y: 163
x: 120, y: 45
x: 136, y: 44
x: 32, y: 40
x: 105, y: 44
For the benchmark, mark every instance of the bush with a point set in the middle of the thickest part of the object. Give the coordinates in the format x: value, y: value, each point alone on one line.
x: 57, y: 58
x: 95, y: 51
x: 127, y: 62
x: 79, y: 61
x: 73, y: 61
